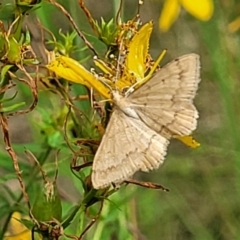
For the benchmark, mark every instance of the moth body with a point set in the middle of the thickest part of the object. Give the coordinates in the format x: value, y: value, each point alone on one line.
x: 123, y: 104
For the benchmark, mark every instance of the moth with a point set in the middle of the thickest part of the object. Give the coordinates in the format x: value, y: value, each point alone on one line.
x: 143, y: 122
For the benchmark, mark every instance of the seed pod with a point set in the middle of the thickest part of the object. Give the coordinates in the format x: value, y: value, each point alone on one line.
x: 47, y: 206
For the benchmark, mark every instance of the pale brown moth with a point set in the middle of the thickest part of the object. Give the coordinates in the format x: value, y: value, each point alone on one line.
x: 143, y: 122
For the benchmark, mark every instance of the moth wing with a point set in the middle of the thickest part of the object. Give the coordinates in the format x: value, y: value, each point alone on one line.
x: 127, y: 146
x: 165, y: 102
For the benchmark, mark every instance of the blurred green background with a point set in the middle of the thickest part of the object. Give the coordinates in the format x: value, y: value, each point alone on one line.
x: 204, y: 183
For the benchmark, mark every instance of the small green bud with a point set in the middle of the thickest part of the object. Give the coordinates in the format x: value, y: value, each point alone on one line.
x: 47, y: 206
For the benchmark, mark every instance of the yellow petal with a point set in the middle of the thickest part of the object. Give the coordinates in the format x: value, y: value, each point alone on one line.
x: 189, y: 141
x: 121, y: 83
x: 234, y: 25
x: 73, y: 71
x: 138, y: 50
x: 16, y: 230
x: 169, y: 14
x: 60, y: 67
x: 103, y: 66
x: 25, y: 235
x: 201, y: 9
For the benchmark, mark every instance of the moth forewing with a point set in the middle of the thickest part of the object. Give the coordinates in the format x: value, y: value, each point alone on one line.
x: 128, y: 146
x: 166, y: 100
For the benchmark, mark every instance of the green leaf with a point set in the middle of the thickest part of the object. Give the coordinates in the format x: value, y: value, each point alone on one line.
x: 14, y: 54
x: 5, y: 162
x: 27, y: 223
x: 6, y: 177
x: 4, y: 71
x: 12, y: 108
x: 7, y: 11
x: 8, y: 99
x: 48, y: 204
x: 55, y: 139
x: 10, y: 192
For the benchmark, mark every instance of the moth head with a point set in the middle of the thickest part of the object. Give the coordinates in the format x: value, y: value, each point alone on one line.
x: 116, y: 96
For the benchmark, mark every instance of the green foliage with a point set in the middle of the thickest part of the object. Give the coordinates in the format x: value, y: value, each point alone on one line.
x: 47, y: 205
x: 108, y: 32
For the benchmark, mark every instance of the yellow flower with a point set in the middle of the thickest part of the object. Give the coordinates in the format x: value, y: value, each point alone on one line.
x: 131, y: 73
x: 16, y: 230
x: 127, y: 74
x: 201, y: 9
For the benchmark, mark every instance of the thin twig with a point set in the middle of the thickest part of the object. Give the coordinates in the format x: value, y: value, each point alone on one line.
x: 118, y: 17
x: 65, y: 129
x: 81, y: 35
x: 13, y: 155
x: 92, y: 222
x: 89, y: 16
x: 32, y: 84
x: 30, y: 154
x: 146, y: 184
x: 6, y: 87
